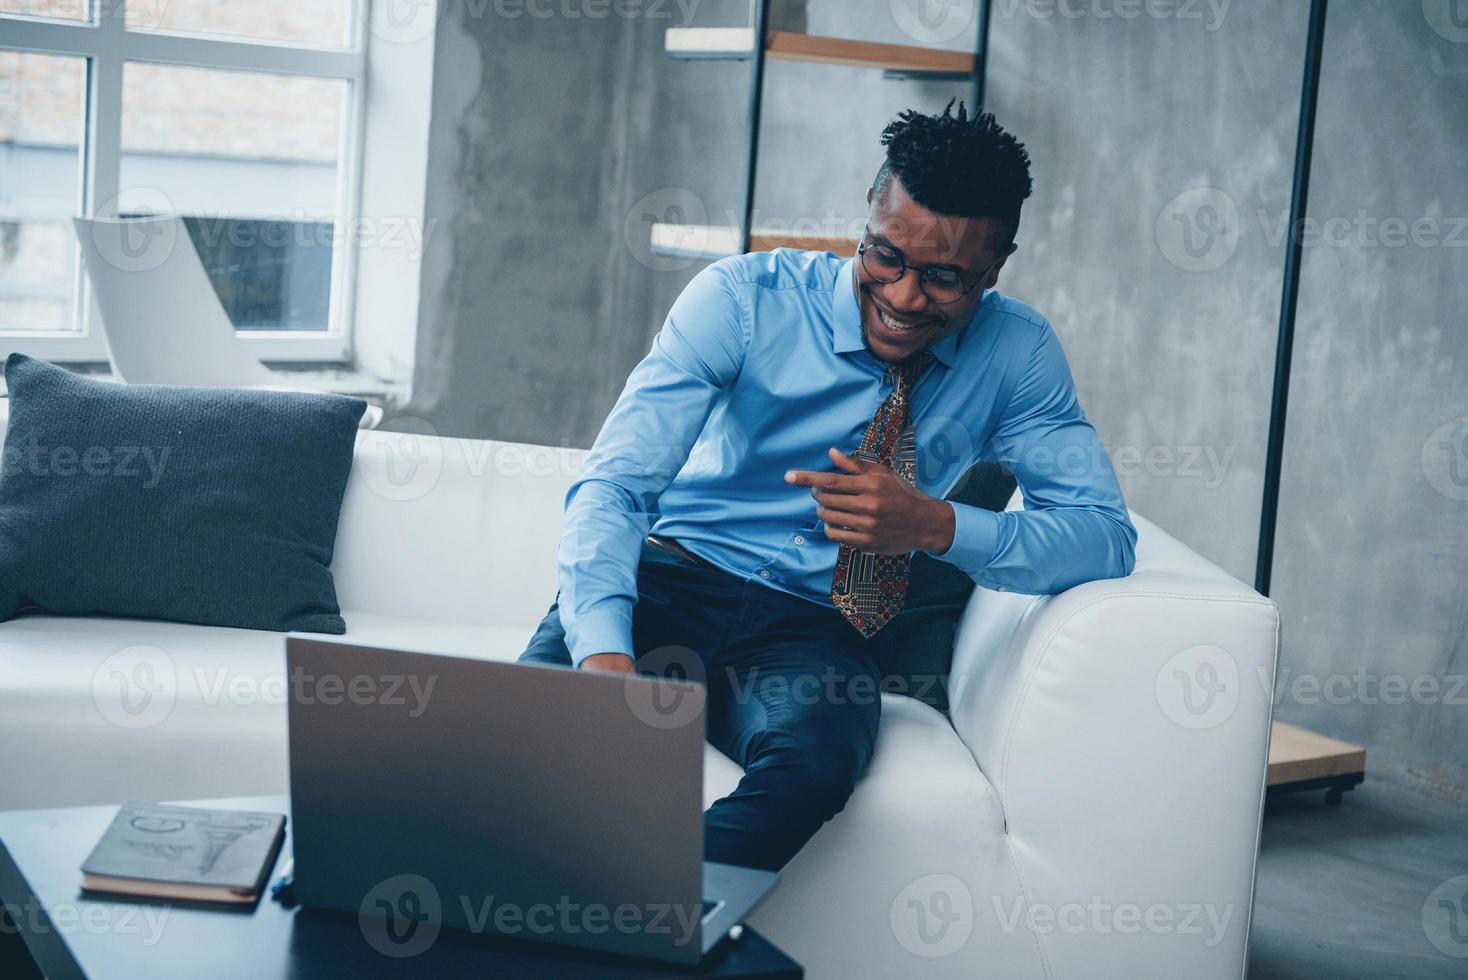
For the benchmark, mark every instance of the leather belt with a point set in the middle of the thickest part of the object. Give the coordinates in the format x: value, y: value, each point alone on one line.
x: 674, y: 548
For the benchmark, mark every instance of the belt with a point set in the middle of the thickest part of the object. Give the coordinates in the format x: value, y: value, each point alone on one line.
x: 674, y: 548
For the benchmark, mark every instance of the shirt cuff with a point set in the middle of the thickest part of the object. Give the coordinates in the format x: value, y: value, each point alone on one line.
x: 605, y: 629
x: 975, y: 537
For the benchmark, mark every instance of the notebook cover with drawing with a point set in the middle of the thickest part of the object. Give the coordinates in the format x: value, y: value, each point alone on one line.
x: 184, y: 852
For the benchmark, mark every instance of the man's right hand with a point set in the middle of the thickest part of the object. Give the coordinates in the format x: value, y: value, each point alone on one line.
x: 614, y: 663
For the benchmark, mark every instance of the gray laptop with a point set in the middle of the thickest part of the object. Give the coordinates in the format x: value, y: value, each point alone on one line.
x: 533, y: 802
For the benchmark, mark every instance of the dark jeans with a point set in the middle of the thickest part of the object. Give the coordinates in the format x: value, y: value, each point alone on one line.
x: 792, y: 697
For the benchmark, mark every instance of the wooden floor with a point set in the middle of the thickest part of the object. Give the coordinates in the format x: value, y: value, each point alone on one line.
x: 1296, y: 755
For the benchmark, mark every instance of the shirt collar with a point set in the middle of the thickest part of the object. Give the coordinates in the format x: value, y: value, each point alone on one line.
x: 846, y: 314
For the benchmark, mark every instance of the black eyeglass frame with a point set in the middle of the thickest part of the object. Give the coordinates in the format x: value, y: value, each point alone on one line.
x: 866, y: 245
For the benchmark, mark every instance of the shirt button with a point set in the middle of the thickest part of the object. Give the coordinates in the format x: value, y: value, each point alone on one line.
x: 764, y: 573
x: 799, y: 540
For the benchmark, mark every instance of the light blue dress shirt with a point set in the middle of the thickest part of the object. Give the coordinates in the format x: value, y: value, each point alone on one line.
x: 759, y: 369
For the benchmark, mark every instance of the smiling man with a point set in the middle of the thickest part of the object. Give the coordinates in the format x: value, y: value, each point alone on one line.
x: 750, y: 508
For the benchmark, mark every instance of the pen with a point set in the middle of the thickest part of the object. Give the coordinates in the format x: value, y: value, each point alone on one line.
x: 280, y: 890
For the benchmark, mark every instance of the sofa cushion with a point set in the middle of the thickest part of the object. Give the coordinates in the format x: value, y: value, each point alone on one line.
x: 117, y: 709
x: 199, y: 505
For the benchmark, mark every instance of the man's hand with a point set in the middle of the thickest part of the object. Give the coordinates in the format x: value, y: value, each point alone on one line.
x: 612, y: 663
x: 868, y: 506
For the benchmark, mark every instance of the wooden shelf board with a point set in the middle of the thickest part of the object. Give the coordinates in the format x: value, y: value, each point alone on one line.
x: 1296, y: 754
x: 716, y: 241
x: 738, y: 42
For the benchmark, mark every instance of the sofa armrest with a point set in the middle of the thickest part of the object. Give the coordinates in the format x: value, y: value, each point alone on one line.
x: 1124, y: 725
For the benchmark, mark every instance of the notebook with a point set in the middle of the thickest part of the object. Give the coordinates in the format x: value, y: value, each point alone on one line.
x: 179, y: 852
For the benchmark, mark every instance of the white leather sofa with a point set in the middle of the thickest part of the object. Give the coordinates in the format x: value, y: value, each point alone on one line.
x: 1092, y: 810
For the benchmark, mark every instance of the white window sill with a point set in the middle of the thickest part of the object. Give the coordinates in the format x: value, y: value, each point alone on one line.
x: 338, y: 380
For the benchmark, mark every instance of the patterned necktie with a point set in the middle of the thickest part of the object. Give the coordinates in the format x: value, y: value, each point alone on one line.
x: 870, y: 589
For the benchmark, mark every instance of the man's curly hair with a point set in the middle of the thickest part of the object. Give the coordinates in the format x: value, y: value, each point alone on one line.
x: 954, y: 165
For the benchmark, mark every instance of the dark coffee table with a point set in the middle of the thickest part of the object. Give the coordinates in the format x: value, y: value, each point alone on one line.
x: 72, y: 934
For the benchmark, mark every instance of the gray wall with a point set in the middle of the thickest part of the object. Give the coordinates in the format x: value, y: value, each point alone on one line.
x: 1371, y: 565
x: 1163, y: 148
x: 556, y: 140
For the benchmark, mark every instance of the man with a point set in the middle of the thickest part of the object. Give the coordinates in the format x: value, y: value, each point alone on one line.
x: 788, y: 443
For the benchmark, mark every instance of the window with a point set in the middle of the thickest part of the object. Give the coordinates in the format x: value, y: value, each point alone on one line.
x: 243, y: 118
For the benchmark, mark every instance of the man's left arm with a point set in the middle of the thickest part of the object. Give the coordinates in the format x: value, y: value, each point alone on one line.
x: 1075, y: 526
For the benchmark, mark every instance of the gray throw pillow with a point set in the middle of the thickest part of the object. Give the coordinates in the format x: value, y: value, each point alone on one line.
x: 199, y: 505
x: 915, y: 650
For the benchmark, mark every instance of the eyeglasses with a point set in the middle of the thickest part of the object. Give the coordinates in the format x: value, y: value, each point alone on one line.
x: 941, y: 284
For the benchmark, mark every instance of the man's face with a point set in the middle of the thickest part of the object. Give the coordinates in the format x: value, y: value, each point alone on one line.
x: 897, y: 318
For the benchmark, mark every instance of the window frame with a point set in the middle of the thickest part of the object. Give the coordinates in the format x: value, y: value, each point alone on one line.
x: 107, y: 44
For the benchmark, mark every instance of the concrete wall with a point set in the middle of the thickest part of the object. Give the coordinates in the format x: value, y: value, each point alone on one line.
x: 1163, y: 146
x: 557, y: 140
x: 1371, y: 560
